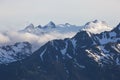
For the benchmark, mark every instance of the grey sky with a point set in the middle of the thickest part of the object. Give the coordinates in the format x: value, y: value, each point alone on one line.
x: 15, y: 14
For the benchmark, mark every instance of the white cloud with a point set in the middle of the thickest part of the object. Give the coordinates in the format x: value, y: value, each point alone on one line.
x: 3, y: 39
x: 35, y: 40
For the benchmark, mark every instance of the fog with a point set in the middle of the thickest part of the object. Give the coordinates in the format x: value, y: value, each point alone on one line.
x: 9, y: 38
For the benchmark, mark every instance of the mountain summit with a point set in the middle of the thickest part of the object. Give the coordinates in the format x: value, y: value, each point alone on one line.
x: 30, y: 26
x: 96, y: 26
x: 50, y: 25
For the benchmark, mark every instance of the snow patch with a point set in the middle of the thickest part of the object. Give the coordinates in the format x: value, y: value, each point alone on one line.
x: 96, y: 26
x: 117, y: 61
x: 69, y: 56
x: 63, y: 51
x: 41, y: 55
x: 74, y: 43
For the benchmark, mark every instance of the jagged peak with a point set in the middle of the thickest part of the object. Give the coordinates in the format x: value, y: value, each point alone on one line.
x: 83, y: 33
x: 67, y: 24
x: 96, y: 26
x: 30, y: 26
x: 39, y: 26
x: 96, y: 22
x: 51, y: 24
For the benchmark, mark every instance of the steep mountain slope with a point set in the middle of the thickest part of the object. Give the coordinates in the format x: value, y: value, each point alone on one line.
x: 86, y: 56
x: 16, y: 52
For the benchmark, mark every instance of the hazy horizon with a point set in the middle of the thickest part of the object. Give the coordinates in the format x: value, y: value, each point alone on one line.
x: 16, y: 14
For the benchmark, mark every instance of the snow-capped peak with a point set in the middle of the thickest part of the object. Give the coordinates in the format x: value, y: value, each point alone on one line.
x: 96, y: 26
x: 30, y: 26
x: 67, y: 24
x: 39, y: 26
x: 50, y: 25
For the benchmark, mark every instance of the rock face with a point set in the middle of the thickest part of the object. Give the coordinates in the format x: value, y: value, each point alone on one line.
x: 85, y: 56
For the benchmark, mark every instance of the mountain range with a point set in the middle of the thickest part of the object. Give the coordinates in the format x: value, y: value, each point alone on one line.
x: 95, y: 26
x: 39, y: 35
x: 93, y: 53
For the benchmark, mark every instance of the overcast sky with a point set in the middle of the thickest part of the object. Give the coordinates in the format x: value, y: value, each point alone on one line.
x: 15, y: 14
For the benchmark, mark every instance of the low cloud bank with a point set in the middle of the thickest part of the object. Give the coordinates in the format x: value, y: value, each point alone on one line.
x: 36, y: 40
